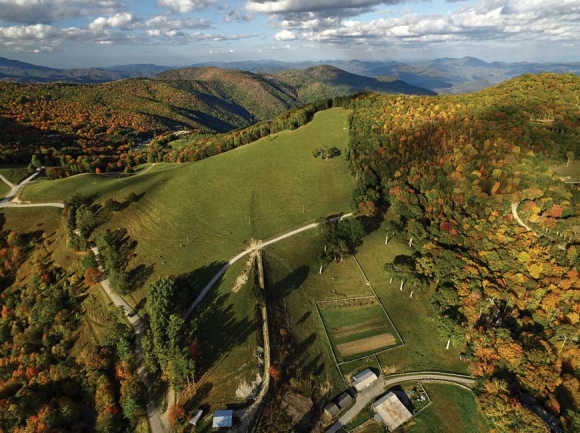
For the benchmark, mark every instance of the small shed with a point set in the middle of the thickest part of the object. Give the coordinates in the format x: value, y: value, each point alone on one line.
x: 331, y: 410
x: 196, y: 417
x: 343, y: 400
x: 463, y: 357
x: 223, y: 419
x: 392, y: 411
x: 363, y: 379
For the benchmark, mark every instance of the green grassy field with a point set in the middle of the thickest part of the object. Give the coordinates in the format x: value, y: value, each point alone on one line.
x: 569, y: 171
x: 4, y: 189
x: 349, y: 323
x: 194, y: 214
x: 292, y: 268
x: 226, y: 330
x: 413, y: 317
x: 452, y: 409
x: 14, y: 173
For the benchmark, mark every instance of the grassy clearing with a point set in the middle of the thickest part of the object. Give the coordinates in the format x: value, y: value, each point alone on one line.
x: 194, y: 214
x: 227, y: 334
x: 4, y: 189
x: 100, y: 319
x: 370, y: 427
x: 352, y: 324
x: 292, y: 268
x: 572, y: 171
x: 452, y: 409
x: 413, y: 317
x: 14, y: 173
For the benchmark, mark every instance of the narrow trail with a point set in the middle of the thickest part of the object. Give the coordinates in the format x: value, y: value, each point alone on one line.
x: 156, y: 421
x: 519, y: 220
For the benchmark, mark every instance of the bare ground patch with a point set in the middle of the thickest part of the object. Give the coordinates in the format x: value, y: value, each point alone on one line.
x: 357, y: 328
x: 366, y: 345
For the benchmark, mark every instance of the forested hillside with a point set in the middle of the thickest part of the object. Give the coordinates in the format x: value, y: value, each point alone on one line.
x: 323, y: 82
x: 83, y: 128
x: 467, y: 181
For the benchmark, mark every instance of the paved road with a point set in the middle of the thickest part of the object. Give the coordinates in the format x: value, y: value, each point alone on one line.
x: 370, y: 394
x: 223, y: 270
x: 16, y: 188
x: 155, y: 421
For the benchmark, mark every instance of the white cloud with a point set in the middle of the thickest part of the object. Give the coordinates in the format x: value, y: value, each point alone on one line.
x: 285, y: 35
x: 49, y: 11
x: 279, y: 6
x: 168, y: 23
x: 184, y: 6
x: 123, y: 20
x: 490, y: 20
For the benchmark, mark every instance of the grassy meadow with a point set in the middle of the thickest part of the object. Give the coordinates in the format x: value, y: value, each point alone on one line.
x: 14, y: 173
x: 294, y: 282
x: 192, y: 215
x: 452, y: 409
x: 4, y: 189
x: 424, y: 349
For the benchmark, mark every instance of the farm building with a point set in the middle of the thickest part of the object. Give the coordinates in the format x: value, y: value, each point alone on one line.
x: 343, y: 400
x: 392, y: 412
x: 363, y: 379
x: 223, y: 419
x: 331, y: 409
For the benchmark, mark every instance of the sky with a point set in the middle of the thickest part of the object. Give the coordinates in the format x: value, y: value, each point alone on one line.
x: 87, y: 33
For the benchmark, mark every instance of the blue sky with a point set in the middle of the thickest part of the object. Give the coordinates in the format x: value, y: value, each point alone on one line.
x: 84, y: 33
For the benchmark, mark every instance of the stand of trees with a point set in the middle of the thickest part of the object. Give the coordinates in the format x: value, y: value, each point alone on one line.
x: 456, y: 171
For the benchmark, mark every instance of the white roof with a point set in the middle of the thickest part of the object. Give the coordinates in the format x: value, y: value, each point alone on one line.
x: 364, y: 375
x: 222, y: 418
x: 392, y: 411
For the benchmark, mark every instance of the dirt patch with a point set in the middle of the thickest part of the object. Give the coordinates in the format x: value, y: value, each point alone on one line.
x: 243, y: 278
x: 366, y: 345
x: 357, y: 328
x: 351, y: 302
x: 296, y: 406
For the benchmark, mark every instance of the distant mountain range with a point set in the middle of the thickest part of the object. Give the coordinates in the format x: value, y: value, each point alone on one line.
x: 444, y: 75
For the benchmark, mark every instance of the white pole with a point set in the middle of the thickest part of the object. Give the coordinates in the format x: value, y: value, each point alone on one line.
x: 448, y: 341
x: 412, y: 291
x: 402, y: 282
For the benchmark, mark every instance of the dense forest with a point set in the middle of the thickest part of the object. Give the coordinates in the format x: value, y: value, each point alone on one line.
x: 467, y: 181
x: 47, y: 383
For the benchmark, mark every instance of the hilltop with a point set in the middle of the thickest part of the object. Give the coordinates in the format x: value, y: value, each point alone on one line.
x: 325, y: 81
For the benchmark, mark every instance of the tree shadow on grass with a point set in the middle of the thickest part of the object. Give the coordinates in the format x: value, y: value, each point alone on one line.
x: 214, y: 323
x: 284, y: 287
x: 218, y: 330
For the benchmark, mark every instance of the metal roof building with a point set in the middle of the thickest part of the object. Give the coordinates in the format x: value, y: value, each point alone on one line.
x: 331, y: 409
x: 392, y: 411
x: 363, y: 379
x: 223, y: 418
x: 343, y: 400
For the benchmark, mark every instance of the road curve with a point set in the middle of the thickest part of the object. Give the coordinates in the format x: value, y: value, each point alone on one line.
x: 364, y: 398
x: 223, y: 270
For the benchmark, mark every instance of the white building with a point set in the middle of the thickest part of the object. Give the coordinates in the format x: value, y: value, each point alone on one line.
x: 363, y: 379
